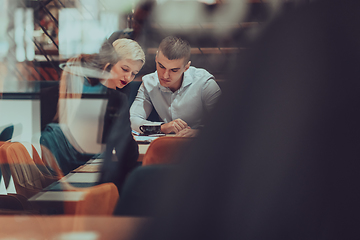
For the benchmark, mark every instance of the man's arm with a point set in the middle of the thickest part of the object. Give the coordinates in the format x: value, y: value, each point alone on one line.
x: 141, y: 109
x: 210, y: 94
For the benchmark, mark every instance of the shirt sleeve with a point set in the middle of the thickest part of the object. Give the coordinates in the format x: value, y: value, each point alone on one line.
x: 141, y: 109
x: 210, y: 94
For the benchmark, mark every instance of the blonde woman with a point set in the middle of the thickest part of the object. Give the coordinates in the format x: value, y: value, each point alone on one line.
x: 93, y: 108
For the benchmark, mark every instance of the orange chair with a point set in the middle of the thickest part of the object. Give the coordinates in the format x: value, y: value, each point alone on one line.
x: 15, y: 161
x: 31, y: 175
x: 164, y: 150
x: 12, y: 203
x: 98, y: 200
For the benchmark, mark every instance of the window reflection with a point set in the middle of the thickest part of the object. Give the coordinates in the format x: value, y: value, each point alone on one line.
x: 37, y: 37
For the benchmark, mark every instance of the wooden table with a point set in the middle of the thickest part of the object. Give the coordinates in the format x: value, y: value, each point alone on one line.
x: 51, y: 199
x: 62, y: 227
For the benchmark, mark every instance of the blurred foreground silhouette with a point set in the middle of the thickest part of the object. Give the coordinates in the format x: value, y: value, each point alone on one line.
x: 279, y: 157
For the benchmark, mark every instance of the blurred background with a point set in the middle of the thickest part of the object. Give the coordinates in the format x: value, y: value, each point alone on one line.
x: 37, y: 36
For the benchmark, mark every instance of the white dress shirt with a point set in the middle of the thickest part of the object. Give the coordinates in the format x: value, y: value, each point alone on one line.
x: 197, y: 94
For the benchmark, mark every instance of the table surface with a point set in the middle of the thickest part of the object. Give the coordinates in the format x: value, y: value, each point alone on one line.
x: 143, y: 148
x: 81, y: 177
x: 63, y: 227
x: 86, y: 175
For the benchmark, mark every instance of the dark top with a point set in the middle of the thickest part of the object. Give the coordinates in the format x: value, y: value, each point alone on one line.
x: 117, y: 135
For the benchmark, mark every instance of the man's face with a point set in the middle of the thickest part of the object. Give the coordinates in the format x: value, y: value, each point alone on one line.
x: 170, y: 72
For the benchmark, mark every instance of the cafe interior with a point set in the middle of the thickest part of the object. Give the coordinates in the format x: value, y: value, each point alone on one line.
x: 277, y: 157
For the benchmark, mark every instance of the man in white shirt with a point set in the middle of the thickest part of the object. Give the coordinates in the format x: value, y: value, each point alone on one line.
x: 180, y: 94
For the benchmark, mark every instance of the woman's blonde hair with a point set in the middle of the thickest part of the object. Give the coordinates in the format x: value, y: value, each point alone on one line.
x: 110, y: 54
x: 129, y: 49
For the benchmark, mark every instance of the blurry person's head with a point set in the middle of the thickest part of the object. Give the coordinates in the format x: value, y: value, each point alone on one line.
x: 123, y: 59
x: 289, y: 168
x: 172, y: 60
x: 141, y: 14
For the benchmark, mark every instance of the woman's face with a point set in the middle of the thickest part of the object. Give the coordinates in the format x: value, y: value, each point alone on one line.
x: 123, y: 72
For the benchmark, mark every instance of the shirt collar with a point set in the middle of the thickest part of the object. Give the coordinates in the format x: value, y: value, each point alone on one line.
x: 187, y: 79
x: 186, y: 82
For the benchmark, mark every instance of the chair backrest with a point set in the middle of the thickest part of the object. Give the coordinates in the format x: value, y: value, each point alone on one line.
x: 164, y: 150
x: 7, y: 133
x: 28, y: 178
x: 31, y: 175
x: 98, y: 200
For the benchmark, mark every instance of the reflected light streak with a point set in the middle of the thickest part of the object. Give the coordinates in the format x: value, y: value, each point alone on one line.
x: 76, y: 69
x: 83, y: 30
x: 24, y: 31
x: 227, y: 13
x: 4, y: 45
x: 2, y: 186
x: 29, y: 33
x: 178, y: 13
x: 69, y: 32
x: 78, y: 236
x: 19, y: 34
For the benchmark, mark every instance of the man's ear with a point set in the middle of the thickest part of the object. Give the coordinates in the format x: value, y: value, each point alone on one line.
x: 156, y: 56
x: 187, y: 65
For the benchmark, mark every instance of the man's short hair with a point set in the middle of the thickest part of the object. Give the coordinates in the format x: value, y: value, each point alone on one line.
x: 175, y: 48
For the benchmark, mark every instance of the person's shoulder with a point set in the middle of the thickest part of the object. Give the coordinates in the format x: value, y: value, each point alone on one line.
x: 149, y: 76
x: 150, y: 80
x: 200, y: 74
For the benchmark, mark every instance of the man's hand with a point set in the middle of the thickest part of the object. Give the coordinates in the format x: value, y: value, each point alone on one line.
x: 187, y: 132
x: 174, y: 126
